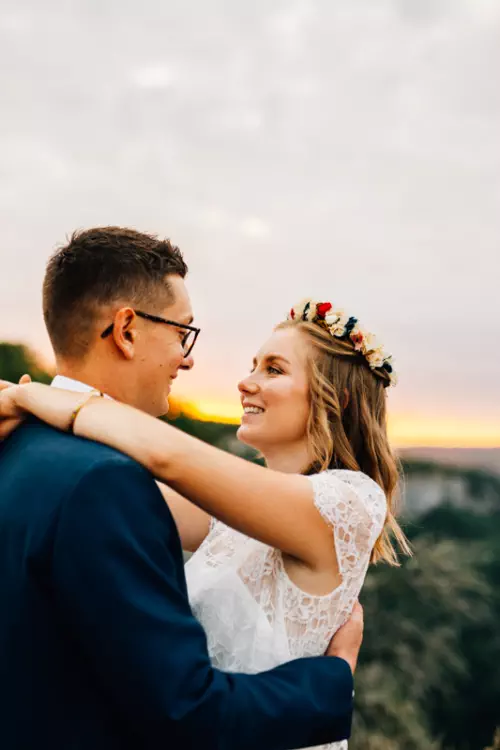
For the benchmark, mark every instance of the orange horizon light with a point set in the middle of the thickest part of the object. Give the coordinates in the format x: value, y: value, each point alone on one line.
x: 404, y: 430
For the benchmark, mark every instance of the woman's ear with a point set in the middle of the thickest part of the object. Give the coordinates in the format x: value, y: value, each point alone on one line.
x: 125, y: 332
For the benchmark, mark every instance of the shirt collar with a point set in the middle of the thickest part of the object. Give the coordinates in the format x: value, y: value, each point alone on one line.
x: 69, y: 384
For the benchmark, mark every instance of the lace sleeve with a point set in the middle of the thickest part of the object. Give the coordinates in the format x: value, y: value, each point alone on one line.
x: 213, y: 522
x: 355, y: 507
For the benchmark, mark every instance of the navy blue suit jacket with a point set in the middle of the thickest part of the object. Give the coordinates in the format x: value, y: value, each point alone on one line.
x: 99, y: 649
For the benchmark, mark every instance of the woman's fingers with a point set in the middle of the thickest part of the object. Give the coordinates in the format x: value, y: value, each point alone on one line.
x: 22, y: 380
x: 7, y: 426
x: 11, y: 415
x: 8, y: 404
x: 7, y: 384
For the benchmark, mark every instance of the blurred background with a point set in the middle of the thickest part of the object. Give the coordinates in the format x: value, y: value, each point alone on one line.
x: 342, y: 149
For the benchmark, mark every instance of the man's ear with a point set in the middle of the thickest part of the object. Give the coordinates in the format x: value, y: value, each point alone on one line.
x: 125, y: 331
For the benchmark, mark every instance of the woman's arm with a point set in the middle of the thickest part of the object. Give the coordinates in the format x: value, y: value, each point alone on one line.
x: 275, y: 508
x: 193, y: 523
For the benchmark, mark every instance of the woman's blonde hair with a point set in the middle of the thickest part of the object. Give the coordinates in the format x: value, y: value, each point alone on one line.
x: 347, y: 424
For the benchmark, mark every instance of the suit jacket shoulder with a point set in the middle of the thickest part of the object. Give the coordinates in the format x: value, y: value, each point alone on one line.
x: 53, y: 456
x: 40, y: 469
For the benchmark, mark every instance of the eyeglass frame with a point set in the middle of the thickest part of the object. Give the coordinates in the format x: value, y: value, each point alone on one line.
x: 157, y: 319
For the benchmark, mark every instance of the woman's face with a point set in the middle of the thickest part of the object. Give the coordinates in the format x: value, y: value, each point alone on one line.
x: 275, y: 396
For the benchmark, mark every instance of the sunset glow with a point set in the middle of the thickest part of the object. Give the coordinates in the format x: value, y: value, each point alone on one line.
x: 212, y: 411
x: 404, y: 430
x: 442, y: 433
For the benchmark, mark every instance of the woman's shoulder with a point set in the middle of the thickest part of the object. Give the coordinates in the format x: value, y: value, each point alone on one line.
x: 355, y: 505
x: 348, y: 485
x: 355, y: 479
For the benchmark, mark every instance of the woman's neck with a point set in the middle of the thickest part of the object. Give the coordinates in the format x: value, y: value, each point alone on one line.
x: 290, y: 459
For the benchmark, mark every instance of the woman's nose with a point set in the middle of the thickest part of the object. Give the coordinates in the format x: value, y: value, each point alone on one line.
x: 248, y: 385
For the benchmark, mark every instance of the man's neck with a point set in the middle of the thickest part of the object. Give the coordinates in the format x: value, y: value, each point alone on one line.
x: 93, y: 379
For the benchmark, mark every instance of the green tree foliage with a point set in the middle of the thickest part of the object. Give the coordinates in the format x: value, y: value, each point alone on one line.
x: 413, y: 659
x: 469, y: 721
x: 16, y: 360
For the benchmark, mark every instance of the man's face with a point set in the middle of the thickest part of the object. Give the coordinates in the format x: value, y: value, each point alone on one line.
x: 159, y: 351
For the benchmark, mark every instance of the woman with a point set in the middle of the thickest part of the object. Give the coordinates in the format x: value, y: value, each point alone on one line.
x: 281, y: 552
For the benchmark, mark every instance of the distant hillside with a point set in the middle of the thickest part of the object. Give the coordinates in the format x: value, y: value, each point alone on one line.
x: 430, y: 484
x: 481, y: 458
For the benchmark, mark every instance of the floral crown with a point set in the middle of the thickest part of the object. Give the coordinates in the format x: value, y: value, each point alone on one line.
x: 341, y: 326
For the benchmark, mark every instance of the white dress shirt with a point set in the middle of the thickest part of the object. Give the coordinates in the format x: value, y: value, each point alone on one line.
x: 69, y: 384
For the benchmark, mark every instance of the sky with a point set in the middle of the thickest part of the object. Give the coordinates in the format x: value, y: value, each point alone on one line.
x: 347, y: 150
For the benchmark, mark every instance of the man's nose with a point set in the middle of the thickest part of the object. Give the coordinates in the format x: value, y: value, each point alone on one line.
x: 187, y: 363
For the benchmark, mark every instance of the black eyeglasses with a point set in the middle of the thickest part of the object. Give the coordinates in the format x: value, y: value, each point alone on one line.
x: 187, y: 341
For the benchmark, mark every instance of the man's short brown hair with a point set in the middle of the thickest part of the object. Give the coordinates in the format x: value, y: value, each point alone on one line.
x: 98, y: 267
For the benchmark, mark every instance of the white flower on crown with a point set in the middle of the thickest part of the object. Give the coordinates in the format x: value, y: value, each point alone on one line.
x: 338, y: 330
x: 298, y: 310
x: 336, y: 321
x: 311, y: 313
x: 333, y: 317
x: 375, y: 358
x: 370, y: 343
x: 344, y: 319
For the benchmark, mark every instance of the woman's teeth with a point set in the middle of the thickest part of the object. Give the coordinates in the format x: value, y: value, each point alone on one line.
x: 253, y: 410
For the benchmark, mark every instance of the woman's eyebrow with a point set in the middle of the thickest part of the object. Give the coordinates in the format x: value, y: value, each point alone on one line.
x: 272, y: 358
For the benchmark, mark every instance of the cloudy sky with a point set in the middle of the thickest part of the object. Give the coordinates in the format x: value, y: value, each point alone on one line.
x: 343, y: 149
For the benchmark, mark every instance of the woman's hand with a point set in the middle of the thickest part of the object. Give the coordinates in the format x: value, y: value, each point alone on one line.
x: 11, y: 413
x: 55, y: 406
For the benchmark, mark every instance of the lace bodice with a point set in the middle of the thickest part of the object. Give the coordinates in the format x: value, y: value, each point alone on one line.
x: 254, y: 615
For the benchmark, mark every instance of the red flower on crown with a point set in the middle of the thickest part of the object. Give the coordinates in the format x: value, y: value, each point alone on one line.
x: 357, y: 340
x: 323, y: 308
x: 292, y: 313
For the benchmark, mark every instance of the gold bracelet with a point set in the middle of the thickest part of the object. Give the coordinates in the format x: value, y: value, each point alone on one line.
x: 76, y: 412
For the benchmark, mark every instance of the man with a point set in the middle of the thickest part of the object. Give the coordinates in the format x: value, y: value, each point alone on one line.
x: 98, y: 646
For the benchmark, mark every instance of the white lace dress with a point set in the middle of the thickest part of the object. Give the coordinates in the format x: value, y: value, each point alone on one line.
x: 254, y: 616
